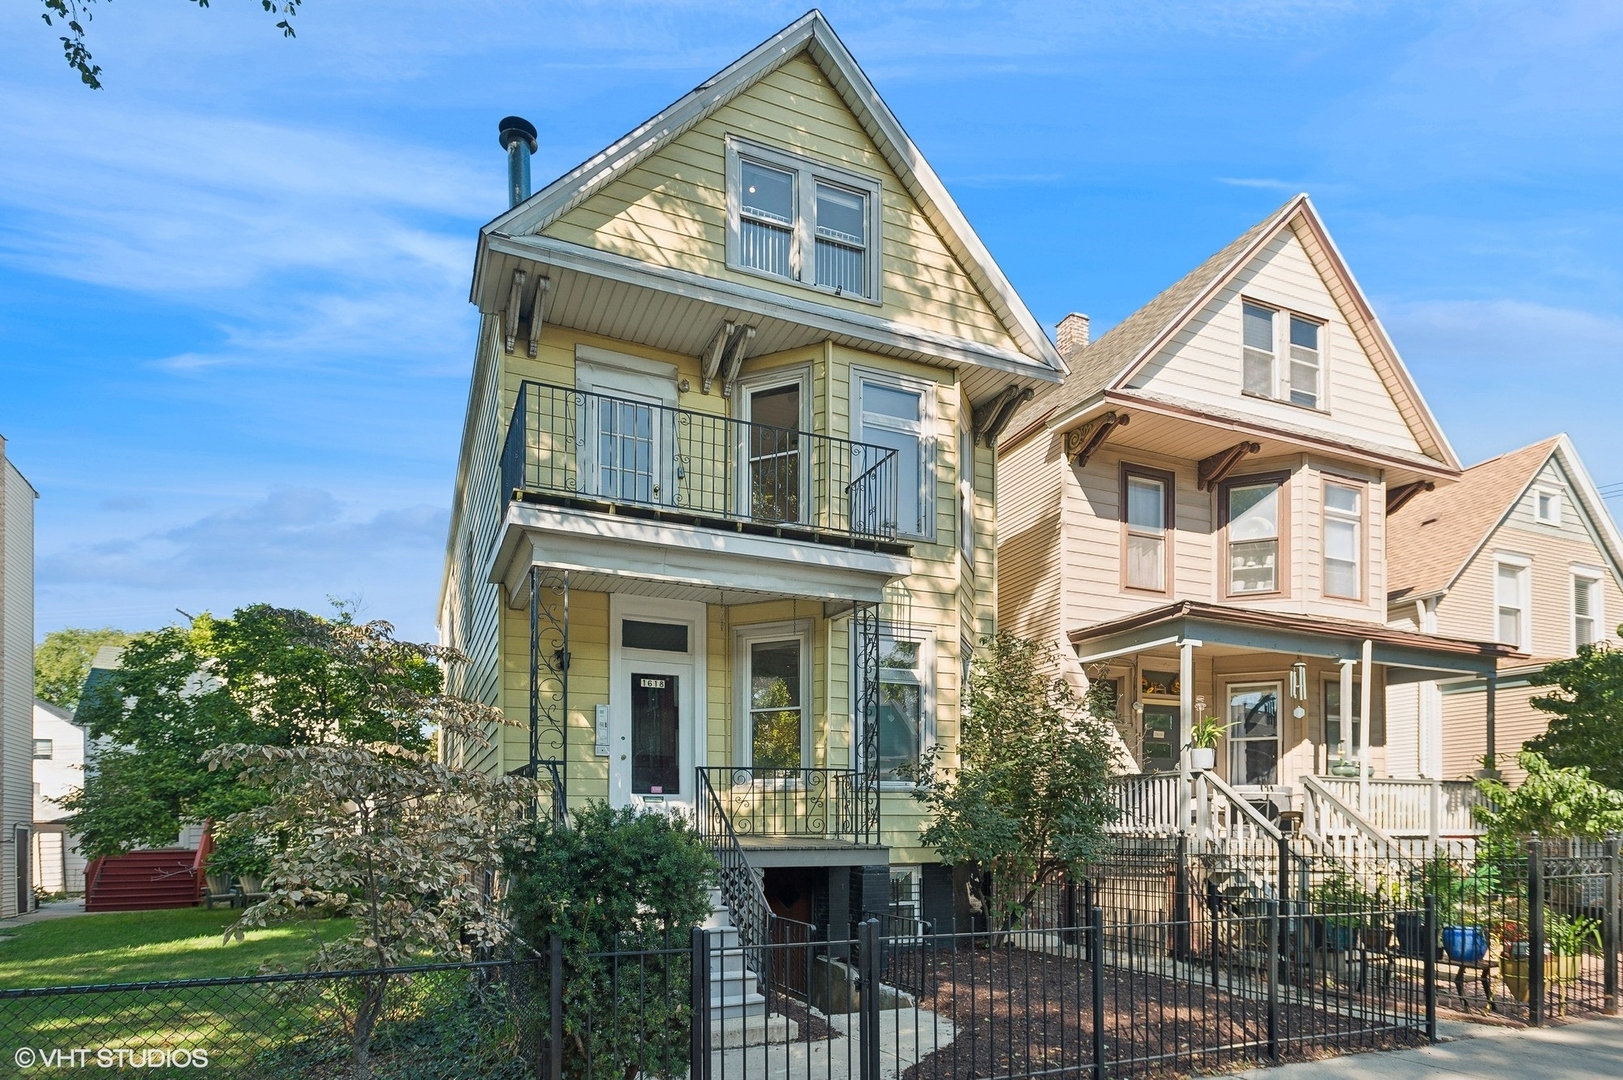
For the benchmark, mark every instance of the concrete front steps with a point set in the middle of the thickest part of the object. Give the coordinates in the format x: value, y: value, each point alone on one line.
x: 734, y: 990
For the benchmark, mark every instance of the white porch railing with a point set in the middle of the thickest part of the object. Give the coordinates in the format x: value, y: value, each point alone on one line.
x: 1147, y: 802
x: 1412, y: 809
x: 1342, y: 831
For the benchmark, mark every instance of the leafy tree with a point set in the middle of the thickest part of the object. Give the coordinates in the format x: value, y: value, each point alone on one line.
x: 62, y: 661
x: 1551, y: 802
x: 614, y: 880
x: 1587, y: 711
x: 74, y: 14
x: 376, y: 829
x: 1030, y: 797
x: 265, y: 676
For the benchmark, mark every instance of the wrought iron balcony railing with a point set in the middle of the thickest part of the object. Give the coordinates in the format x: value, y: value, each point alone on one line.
x: 582, y: 445
x: 803, y: 803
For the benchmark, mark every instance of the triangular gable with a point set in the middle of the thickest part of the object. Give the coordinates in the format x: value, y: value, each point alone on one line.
x: 1112, y: 363
x: 1436, y: 537
x: 812, y: 37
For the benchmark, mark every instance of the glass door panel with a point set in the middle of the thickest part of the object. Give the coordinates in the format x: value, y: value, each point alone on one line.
x: 656, y: 735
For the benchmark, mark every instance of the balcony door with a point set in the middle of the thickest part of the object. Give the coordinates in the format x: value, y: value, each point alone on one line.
x: 773, y: 456
x: 626, y: 431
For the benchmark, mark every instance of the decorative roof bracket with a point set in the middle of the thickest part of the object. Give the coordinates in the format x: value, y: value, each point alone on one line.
x: 515, y: 300
x: 733, y: 358
x: 541, y: 285
x: 1398, y: 497
x: 722, y: 357
x: 1081, y: 443
x: 992, y: 417
x: 1215, y: 469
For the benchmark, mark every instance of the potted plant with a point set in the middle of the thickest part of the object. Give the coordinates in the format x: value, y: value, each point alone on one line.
x: 1342, y: 907
x: 1409, y: 921
x: 241, y: 855
x: 1342, y: 767
x: 1565, y: 939
x: 1203, y: 738
x: 1465, y: 940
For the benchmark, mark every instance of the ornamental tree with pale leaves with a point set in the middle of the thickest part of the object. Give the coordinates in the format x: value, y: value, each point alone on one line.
x: 380, y: 832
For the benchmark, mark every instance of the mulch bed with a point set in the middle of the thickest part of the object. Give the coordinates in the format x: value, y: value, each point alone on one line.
x: 1020, y: 1013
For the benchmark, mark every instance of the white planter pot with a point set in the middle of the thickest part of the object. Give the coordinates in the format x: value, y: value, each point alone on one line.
x: 1202, y: 758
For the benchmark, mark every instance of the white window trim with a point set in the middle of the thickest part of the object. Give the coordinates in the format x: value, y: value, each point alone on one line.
x: 743, y: 731
x: 1525, y: 565
x: 799, y: 375
x: 927, y: 441
x: 966, y: 490
x: 1556, y: 498
x: 927, y: 694
x: 803, y: 240
x: 1359, y: 520
x: 1597, y: 603
x: 1281, y: 356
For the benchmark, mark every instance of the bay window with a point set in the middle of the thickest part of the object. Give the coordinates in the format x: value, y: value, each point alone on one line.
x: 1343, y: 541
x: 1252, y: 519
x: 1147, y: 499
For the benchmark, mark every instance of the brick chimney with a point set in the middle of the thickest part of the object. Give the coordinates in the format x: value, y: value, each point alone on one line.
x: 1071, y: 335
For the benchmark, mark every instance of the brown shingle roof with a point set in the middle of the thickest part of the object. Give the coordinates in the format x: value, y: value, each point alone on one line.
x: 1430, y: 540
x: 1100, y: 363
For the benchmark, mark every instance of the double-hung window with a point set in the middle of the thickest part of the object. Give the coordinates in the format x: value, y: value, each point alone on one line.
x: 1343, y: 541
x: 906, y: 696
x: 1252, y: 515
x: 1147, y: 499
x: 1267, y: 334
x: 1587, y: 615
x: 777, y: 704
x: 1511, y: 601
x: 794, y: 218
x: 44, y: 749
x: 895, y: 414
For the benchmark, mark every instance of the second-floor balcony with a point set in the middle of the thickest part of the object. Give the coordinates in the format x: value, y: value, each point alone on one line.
x: 624, y: 455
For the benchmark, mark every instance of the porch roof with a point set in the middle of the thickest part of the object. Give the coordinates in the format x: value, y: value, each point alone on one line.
x: 1413, y: 656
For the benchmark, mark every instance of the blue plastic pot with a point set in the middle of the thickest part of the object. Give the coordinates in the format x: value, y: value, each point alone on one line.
x: 1465, y: 944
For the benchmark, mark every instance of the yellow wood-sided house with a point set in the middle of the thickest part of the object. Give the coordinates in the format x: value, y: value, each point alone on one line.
x: 1523, y: 551
x: 723, y: 534
x: 1200, y: 512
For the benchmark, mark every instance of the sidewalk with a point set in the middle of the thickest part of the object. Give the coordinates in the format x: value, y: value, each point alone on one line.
x: 58, y: 909
x: 1592, y: 1050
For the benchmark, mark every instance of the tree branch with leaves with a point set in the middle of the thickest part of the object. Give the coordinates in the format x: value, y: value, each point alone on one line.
x: 74, y: 15
x: 1030, y: 796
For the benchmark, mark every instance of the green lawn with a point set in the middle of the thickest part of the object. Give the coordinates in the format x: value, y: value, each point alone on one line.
x: 137, y: 946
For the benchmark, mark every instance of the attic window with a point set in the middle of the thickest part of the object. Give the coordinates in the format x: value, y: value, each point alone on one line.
x: 799, y: 220
x: 1547, y: 506
x: 1281, y: 355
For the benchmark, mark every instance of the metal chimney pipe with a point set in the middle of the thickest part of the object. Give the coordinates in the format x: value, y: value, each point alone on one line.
x: 518, y: 139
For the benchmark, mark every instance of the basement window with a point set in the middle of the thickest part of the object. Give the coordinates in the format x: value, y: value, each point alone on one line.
x: 795, y: 219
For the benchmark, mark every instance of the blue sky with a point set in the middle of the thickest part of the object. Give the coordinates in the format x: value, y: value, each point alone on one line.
x: 234, y: 329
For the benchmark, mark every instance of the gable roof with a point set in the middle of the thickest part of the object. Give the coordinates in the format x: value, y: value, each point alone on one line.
x: 812, y: 36
x: 1110, y: 363
x: 1437, y: 534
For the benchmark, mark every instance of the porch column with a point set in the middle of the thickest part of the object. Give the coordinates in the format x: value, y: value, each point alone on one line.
x: 1490, y: 765
x: 1186, y: 723
x: 1343, y: 743
x: 1367, y: 707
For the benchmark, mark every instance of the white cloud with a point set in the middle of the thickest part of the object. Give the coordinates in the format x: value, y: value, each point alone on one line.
x: 292, y: 546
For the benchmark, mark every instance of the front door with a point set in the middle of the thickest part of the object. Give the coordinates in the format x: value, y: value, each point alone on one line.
x: 655, y: 683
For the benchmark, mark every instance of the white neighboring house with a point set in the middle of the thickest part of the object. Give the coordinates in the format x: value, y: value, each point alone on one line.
x: 59, y: 758
x: 16, y: 686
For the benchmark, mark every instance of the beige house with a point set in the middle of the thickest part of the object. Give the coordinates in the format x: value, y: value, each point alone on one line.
x: 1522, y: 551
x: 16, y: 686
x: 1200, y: 513
x: 722, y: 534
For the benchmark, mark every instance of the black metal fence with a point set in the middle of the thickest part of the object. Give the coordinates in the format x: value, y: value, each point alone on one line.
x: 577, y: 444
